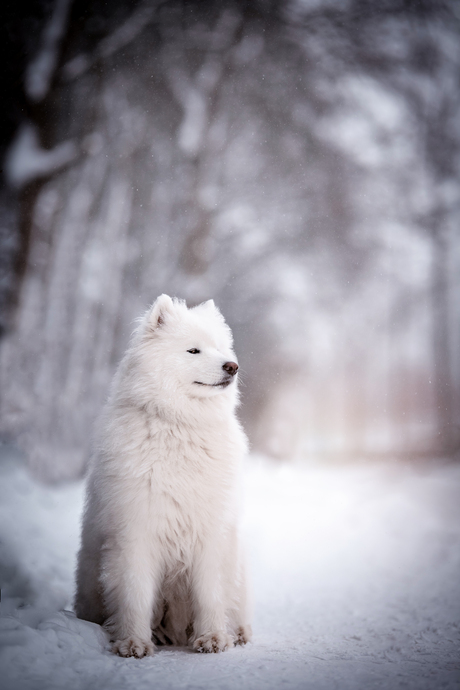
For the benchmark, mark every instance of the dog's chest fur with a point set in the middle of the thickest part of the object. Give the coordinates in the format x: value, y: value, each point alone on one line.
x: 184, y: 483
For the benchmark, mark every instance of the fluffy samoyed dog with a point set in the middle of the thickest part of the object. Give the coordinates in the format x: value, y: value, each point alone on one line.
x: 160, y: 559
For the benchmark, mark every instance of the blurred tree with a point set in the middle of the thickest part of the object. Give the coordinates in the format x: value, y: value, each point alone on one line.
x: 295, y: 161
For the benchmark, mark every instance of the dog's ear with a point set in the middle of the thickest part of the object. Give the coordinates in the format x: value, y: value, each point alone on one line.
x: 211, y: 308
x: 206, y: 306
x: 159, y: 311
x: 209, y: 304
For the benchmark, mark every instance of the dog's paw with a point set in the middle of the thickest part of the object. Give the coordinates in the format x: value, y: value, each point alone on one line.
x: 133, y: 646
x: 243, y: 634
x: 213, y: 642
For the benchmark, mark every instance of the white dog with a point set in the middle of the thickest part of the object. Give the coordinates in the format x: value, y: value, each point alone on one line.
x: 160, y: 556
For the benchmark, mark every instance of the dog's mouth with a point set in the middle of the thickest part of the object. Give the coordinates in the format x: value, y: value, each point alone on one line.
x: 222, y: 384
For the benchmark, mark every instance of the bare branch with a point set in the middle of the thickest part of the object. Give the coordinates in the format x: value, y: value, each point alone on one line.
x: 193, y: 93
x: 121, y: 37
x: 27, y: 161
x: 40, y: 71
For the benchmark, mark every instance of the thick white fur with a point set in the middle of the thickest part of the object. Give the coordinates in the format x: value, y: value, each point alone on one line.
x: 159, y: 556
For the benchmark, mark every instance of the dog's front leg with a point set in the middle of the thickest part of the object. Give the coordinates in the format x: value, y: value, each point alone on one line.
x: 209, y: 623
x: 130, y: 578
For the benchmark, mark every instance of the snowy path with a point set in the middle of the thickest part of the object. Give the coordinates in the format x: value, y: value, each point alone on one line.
x: 356, y: 575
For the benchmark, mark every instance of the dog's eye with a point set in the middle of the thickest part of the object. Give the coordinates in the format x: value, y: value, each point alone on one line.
x: 194, y: 351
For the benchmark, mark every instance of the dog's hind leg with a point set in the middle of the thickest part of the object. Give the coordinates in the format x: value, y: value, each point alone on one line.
x: 88, y: 599
x: 238, y: 593
x: 240, y: 614
x: 173, y: 620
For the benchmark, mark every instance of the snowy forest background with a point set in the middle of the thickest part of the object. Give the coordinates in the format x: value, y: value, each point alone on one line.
x: 297, y: 161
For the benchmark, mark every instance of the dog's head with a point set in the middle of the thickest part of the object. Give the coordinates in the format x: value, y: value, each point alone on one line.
x: 188, y: 351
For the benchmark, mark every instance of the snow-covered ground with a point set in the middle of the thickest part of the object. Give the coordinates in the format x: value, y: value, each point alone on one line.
x: 356, y: 574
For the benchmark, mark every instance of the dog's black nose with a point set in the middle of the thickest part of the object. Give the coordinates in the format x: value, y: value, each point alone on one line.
x: 230, y: 367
